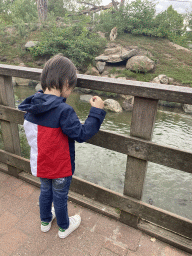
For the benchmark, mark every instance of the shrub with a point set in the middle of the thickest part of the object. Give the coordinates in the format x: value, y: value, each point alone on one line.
x: 75, y: 42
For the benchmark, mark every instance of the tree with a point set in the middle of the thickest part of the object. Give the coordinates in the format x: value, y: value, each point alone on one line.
x: 169, y: 23
x: 42, y: 8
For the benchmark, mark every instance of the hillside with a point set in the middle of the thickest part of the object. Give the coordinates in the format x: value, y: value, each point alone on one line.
x: 169, y: 60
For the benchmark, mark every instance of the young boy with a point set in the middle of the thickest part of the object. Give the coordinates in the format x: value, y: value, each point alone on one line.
x: 51, y: 128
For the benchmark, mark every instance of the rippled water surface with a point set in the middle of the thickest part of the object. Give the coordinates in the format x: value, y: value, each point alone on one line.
x: 164, y: 187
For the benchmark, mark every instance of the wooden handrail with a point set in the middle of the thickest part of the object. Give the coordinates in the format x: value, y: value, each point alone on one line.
x: 170, y: 93
x: 138, y: 147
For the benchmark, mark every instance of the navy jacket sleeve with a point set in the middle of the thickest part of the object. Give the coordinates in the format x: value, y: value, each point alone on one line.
x: 72, y: 127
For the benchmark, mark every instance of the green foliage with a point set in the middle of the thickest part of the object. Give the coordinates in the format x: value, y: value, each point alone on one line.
x: 169, y: 24
x: 136, y: 17
x: 75, y: 42
x: 57, y: 7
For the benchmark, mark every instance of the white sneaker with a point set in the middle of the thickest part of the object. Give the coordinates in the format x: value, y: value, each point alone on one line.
x: 74, y: 223
x: 45, y: 226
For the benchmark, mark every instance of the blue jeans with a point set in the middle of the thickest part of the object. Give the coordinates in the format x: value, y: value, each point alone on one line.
x: 56, y: 191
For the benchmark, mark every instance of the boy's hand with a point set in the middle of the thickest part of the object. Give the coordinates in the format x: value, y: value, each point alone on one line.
x: 96, y: 102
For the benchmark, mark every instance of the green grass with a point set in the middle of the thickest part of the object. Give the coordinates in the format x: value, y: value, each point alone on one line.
x: 169, y: 61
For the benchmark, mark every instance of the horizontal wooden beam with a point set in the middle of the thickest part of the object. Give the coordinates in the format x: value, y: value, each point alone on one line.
x: 142, y: 149
x: 136, y: 207
x: 166, y: 236
x: 11, y: 115
x: 19, y: 162
x: 170, y: 93
x: 145, y: 150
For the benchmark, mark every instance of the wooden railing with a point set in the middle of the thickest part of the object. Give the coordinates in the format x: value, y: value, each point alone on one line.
x: 138, y: 147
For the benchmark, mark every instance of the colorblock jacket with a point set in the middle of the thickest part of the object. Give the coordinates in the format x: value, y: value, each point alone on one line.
x: 51, y: 128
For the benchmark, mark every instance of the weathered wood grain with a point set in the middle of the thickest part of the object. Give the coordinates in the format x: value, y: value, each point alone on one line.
x: 165, y: 235
x: 11, y: 115
x: 141, y: 89
x: 10, y: 132
x: 13, y: 160
x: 142, y: 124
x: 135, y: 147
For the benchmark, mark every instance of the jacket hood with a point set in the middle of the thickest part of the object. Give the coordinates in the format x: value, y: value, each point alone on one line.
x: 40, y: 103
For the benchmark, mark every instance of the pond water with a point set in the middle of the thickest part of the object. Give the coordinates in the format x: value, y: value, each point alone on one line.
x: 164, y: 187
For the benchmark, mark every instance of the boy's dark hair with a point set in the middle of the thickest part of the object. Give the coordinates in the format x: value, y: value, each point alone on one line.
x: 56, y: 71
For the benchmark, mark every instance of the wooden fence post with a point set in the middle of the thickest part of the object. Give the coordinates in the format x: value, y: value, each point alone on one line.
x: 142, y: 124
x: 10, y: 131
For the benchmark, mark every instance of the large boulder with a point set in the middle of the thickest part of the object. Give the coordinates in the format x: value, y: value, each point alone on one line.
x: 115, y: 54
x: 140, y: 64
x: 187, y: 108
x: 112, y: 105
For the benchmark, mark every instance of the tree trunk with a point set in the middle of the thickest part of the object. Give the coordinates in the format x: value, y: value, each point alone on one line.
x: 114, y: 4
x: 122, y: 3
x: 42, y: 9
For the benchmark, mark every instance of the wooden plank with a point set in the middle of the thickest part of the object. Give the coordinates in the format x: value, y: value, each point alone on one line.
x: 141, y: 89
x: 144, y: 150
x: 16, y: 161
x: 77, y: 198
x: 132, y: 206
x: 11, y: 115
x: 143, y: 118
x: 138, y: 148
x: 10, y: 132
x: 166, y: 236
x: 142, y: 124
x: 23, y: 72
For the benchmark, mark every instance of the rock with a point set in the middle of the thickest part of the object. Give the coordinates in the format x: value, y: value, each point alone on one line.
x: 32, y: 83
x: 171, y: 80
x: 127, y: 106
x: 102, y: 57
x: 156, y: 80
x: 21, y: 64
x: 14, y: 83
x: 187, y: 108
x: 84, y: 90
x: 113, y: 50
x: 140, y: 64
x: 92, y: 71
x: 101, y: 34
x: 161, y: 79
x: 38, y: 87
x: 179, y: 47
x: 31, y: 44
x: 85, y: 98
x: 112, y: 105
x: 105, y: 73
x: 115, y: 54
x: 100, y: 65
x: 128, y: 54
x: 115, y: 58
